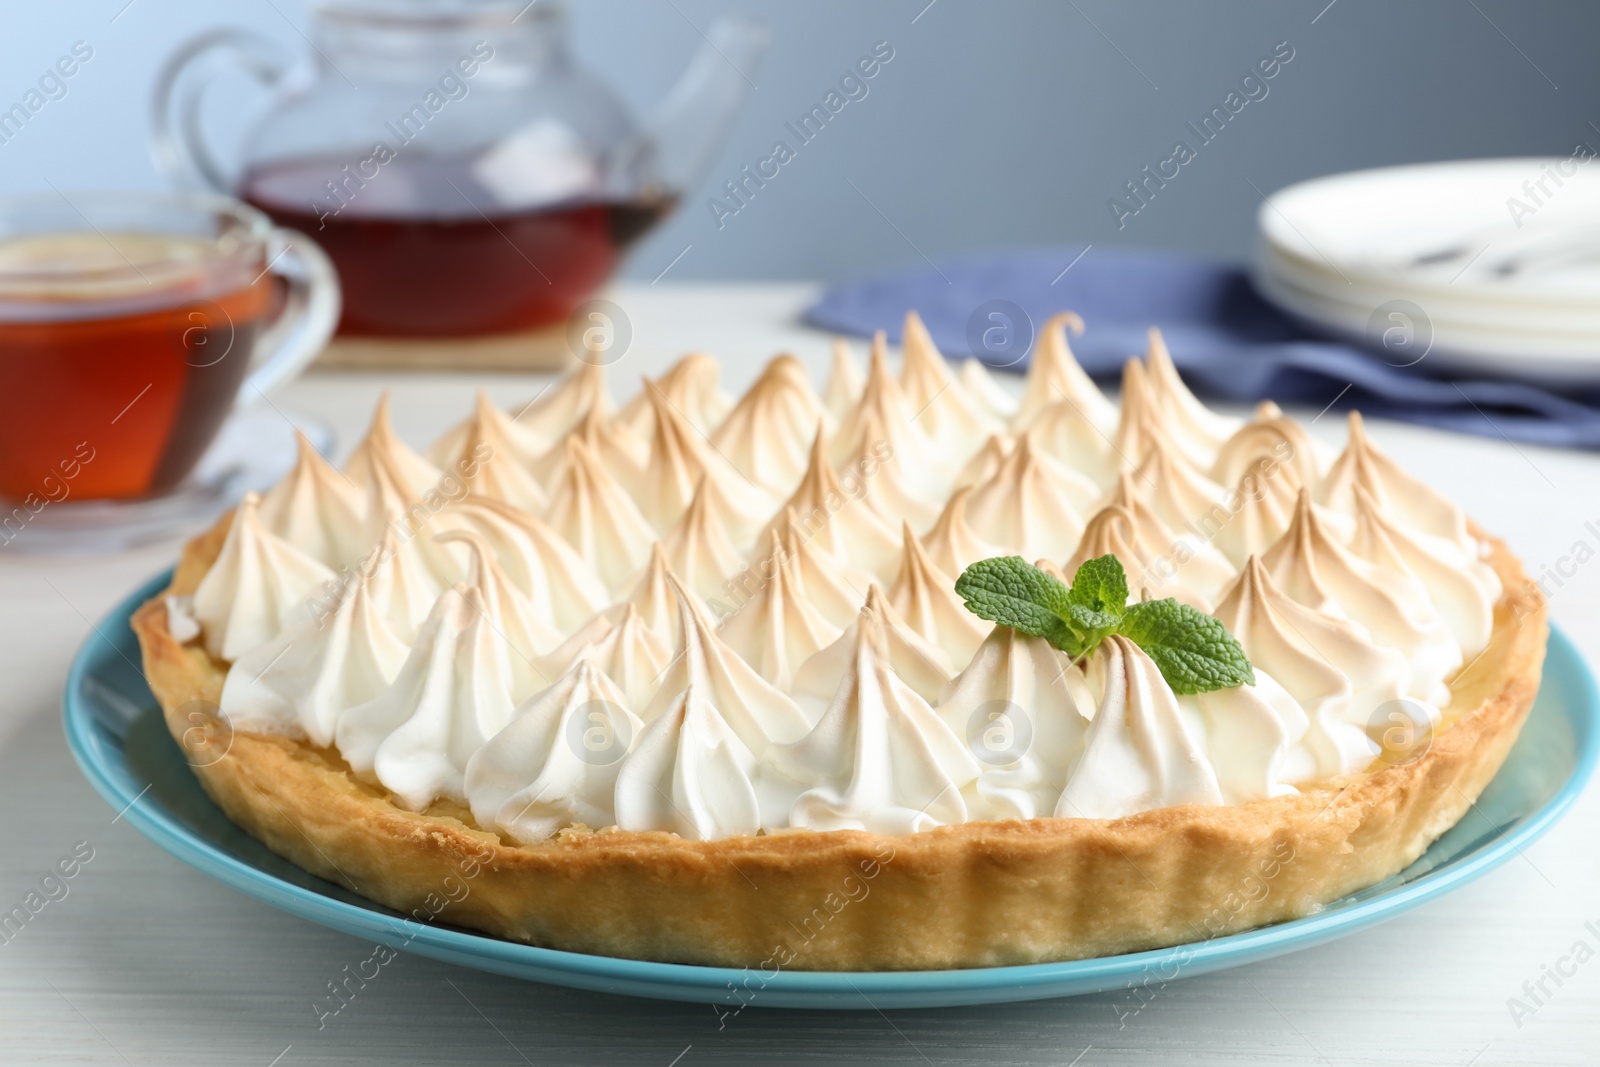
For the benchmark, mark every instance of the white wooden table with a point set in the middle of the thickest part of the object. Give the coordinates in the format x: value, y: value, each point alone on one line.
x: 145, y: 961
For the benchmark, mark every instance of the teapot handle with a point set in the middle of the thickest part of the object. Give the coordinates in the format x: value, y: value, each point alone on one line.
x: 182, y: 153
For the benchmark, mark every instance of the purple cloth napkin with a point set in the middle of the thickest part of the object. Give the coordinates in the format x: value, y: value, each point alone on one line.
x: 1228, y: 341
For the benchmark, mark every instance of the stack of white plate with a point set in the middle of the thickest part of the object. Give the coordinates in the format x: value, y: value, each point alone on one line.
x: 1486, y: 265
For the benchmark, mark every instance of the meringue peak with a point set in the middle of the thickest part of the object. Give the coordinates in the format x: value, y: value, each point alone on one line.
x: 1033, y: 505
x: 925, y: 595
x: 758, y: 712
x: 509, y: 610
x: 691, y: 386
x: 1055, y: 376
x: 765, y: 436
x: 256, y: 587
x: 952, y: 544
x: 842, y: 525
x: 1138, y: 752
x: 559, y: 406
x: 845, y: 380
x: 382, y: 458
x: 778, y: 629
x: 680, y: 457
x: 1395, y: 491
x: 491, y: 459
x: 559, y: 583
x: 942, y: 407
x: 555, y: 763
x: 700, y: 547
x: 597, y: 517
x: 315, y: 508
x: 918, y: 662
x: 1200, y: 430
x: 880, y: 758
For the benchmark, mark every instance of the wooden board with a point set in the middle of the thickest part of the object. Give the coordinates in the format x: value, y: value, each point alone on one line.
x: 543, y: 350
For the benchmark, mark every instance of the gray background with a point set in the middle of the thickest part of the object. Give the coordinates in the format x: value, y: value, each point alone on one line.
x: 996, y: 124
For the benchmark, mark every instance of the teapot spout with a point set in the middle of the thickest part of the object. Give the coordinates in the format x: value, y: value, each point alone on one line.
x: 694, y: 119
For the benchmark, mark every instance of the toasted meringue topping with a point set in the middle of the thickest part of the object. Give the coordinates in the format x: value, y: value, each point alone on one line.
x: 1273, y: 447
x: 1055, y: 376
x: 767, y: 434
x: 491, y: 459
x: 759, y: 714
x: 656, y: 601
x: 920, y: 664
x: 1198, y: 430
x: 509, y: 612
x: 1033, y: 506
x: 840, y: 523
x: 597, y: 517
x: 897, y: 485
x: 301, y: 681
x: 1328, y: 665
x: 623, y: 646
x: 778, y: 629
x: 690, y: 774
x: 1170, y: 563
x: 452, y: 694
x: 561, y: 405
x: 845, y: 381
x: 1178, y: 493
x: 556, y: 763
x: 383, y: 460
x: 952, y: 417
x: 879, y: 759
x: 992, y: 399
x: 1016, y: 704
x: 700, y: 550
x: 1254, y: 735
x: 256, y: 588
x: 490, y: 426
x: 315, y: 508
x: 953, y: 545
x: 680, y: 459
x: 1139, y: 751
x: 581, y: 559
x: 1065, y: 433
x: 690, y: 388
x: 619, y: 452
x: 1463, y: 588
x: 1314, y: 569
x: 1414, y: 504
x: 926, y: 596
x: 562, y: 588
x: 987, y: 461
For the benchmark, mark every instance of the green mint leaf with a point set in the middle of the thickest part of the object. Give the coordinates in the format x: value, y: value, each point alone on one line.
x: 1195, y: 652
x: 1010, y: 591
x: 1101, y: 586
x: 1088, y: 620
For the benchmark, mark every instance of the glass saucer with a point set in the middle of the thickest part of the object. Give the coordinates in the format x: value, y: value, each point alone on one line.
x: 254, y: 449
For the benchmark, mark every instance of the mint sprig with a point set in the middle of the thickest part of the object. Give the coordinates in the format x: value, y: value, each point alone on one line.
x: 1194, y: 651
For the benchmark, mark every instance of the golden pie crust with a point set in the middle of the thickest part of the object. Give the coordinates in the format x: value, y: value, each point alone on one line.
x: 972, y: 895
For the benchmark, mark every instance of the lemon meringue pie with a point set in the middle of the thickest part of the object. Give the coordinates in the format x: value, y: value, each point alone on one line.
x: 681, y: 675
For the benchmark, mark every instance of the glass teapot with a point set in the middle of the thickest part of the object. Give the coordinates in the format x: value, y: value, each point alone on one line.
x: 463, y: 174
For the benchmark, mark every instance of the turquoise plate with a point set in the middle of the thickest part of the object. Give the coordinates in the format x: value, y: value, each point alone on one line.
x: 115, y: 729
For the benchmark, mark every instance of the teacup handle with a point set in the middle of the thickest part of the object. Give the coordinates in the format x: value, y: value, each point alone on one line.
x: 182, y: 154
x: 309, y: 316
